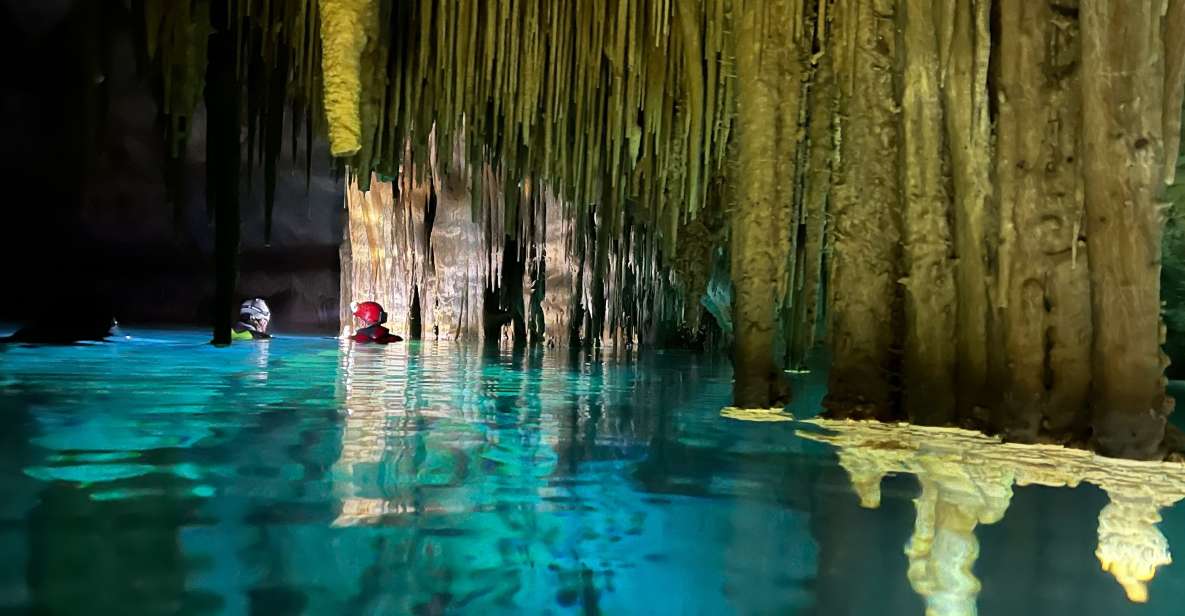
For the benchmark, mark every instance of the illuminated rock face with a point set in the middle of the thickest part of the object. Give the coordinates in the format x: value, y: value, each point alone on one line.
x: 369, y: 269
x: 433, y: 238
x: 453, y: 268
x: 967, y: 479
x: 561, y: 297
x: 416, y: 241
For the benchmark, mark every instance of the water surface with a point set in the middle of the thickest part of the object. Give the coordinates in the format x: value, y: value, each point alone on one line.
x: 160, y: 475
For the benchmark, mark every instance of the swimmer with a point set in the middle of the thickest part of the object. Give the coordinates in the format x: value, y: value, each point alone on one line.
x: 254, y: 318
x: 372, y: 316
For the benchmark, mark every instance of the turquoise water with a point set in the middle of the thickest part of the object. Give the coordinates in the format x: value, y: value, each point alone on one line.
x: 160, y: 475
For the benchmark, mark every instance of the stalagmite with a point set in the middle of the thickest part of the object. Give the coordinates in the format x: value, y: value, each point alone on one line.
x: 864, y: 270
x: 1044, y: 286
x: 1123, y: 151
x: 928, y: 364
x: 760, y: 218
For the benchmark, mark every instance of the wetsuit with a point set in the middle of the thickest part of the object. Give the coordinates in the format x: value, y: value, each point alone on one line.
x: 377, y: 334
x: 242, y: 331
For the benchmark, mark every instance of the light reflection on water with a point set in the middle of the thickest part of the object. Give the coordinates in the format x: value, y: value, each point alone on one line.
x: 160, y: 475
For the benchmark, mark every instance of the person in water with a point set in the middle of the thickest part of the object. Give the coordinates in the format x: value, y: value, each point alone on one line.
x: 254, y: 317
x: 372, y: 316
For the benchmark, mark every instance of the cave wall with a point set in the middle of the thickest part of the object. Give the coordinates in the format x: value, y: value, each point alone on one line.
x: 1051, y: 232
x: 91, y: 222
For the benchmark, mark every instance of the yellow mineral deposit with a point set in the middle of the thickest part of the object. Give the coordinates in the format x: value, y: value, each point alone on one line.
x: 967, y: 479
x: 1130, y: 547
x: 345, y: 27
x: 770, y: 414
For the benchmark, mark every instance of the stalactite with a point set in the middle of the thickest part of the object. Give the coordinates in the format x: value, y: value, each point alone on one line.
x: 257, y: 77
x: 963, y: 34
x: 864, y: 270
x: 930, y: 302
x: 1123, y: 97
x: 793, y: 171
x: 273, y: 136
x: 345, y: 25
x: 1173, y: 32
x: 222, y: 166
x: 1044, y: 270
x: 759, y: 220
x: 177, y: 37
x: 372, y: 75
x: 690, y: 27
x: 816, y: 194
x: 345, y: 255
x: 588, y: 141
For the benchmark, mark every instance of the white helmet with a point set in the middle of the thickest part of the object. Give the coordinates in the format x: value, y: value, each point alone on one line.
x: 255, y: 309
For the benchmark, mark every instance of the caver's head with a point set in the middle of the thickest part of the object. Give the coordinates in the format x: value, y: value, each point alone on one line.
x: 370, y: 313
x: 254, y: 312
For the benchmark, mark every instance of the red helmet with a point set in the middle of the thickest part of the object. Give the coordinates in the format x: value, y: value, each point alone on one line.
x: 371, y: 313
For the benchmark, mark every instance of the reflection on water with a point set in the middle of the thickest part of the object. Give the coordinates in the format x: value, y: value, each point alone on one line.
x: 966, y: 480
x: 302, y: 475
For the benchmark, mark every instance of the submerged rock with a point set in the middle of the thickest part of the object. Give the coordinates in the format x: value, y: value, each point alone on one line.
x: 76, y: 329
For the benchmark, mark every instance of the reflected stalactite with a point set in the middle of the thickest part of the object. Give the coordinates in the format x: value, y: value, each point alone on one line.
x: 362, y: 442
x: 444, y: 471
x: 943, y: 548
x: 967, y: 479
x: 1130, y: 546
